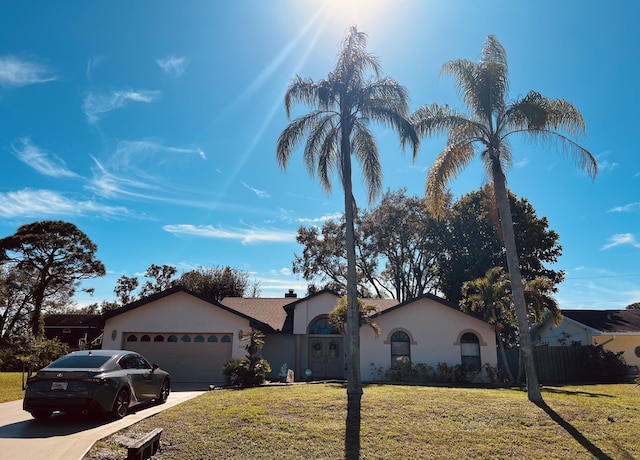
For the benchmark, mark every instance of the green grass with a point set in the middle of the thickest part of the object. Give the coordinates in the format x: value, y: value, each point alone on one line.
x: 307, y: 422
x: 10, y: 386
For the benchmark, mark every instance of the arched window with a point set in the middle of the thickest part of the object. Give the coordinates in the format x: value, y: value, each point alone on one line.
x: 145, y: 338
x: 225, y: 339
x: 400, y: 349
x: 212, y: 338
x: 198, y: 338
x: 185, y: 338
x: 172, y: 338
x: 470, y: 352
x: 158, y: 338
x: 322, y: 326
x: 132, y: 338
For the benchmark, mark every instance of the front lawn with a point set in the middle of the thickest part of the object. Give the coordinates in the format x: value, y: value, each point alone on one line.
x: 10, y: 386
x: 307, y: 421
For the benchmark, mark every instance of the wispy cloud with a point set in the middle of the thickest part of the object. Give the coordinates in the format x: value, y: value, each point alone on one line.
x: 259, y: 193
x: 629, y: 207
x: 126, y: 149
x: 522, y: 163
x: 96, y: 104
x: 622, y: 239
x: 606, y: 165
x: 108, y: 184
x: 244, y: 235
x: 324, y: 218
x: 44, y: 162
x: 20, y: 72
x: 42, y: 203
x: 173, y: 66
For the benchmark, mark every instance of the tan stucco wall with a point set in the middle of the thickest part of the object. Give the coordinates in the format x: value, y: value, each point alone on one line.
x: 434, y: 328
x: 308, y: 310
x: 625, y: 343
x: 176, y: 313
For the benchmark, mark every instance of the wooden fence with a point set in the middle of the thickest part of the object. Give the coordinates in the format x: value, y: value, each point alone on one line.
x: 553, y: 364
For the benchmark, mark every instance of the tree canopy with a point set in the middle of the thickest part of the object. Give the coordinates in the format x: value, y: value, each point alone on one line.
x: 403, y: 252
x: 53, y: 256
x: 473, y: 242
x: 216, y: 283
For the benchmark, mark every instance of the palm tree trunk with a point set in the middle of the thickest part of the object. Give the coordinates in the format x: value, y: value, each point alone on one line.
x: 517, y: 288
x: 354, y: 380
x: 503, y: 354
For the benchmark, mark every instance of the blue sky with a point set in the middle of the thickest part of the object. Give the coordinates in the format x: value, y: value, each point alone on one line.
x: 152, y: 125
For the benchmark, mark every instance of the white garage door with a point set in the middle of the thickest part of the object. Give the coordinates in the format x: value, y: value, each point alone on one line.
x: 187, y: 357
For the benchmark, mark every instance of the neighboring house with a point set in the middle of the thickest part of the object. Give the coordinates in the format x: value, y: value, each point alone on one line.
x: 75, y: 330
x: 192, y: 337
x: 615, y: 330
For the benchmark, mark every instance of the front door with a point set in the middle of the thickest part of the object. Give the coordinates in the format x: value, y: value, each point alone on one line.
x: 326, y: 357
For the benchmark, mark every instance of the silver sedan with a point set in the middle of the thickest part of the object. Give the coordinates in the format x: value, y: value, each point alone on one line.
x: 107, y: 381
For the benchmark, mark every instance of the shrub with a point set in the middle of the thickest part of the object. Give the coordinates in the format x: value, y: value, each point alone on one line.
x: 603, y: 366
x: 24, y: 352
x: 251, y: 370
x: 496, y: 374
x: 423, y: 373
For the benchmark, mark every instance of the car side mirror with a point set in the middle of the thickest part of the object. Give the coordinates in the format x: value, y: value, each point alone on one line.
x: 154, y: 367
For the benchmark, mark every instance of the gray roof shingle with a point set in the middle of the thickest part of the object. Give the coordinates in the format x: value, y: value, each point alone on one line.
x: 609, y: 321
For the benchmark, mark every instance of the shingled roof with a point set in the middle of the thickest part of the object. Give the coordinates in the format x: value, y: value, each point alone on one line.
x: 269, y: 311
x: 607, y: 321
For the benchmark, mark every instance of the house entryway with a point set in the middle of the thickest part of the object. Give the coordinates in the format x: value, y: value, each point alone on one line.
x: 326, y: 357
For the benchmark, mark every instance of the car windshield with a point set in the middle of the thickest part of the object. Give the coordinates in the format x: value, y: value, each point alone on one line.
x: 80, y: 362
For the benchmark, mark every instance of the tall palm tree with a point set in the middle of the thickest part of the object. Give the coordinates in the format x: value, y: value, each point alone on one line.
x: 486, y: 129
x: 338, y: 127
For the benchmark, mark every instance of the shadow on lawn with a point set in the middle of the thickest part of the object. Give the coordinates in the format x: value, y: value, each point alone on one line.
x: 573, y: 431
x: 575, y: 392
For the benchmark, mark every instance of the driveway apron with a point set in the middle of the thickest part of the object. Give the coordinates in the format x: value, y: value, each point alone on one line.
x: 65, y: 437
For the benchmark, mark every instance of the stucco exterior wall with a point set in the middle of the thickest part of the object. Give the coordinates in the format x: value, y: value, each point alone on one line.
x: 564, y: 334
x: 434, y: 330
x: 307, y: 310
x: 176, y: 313
x: 618, y: 343
x: 280, y: 349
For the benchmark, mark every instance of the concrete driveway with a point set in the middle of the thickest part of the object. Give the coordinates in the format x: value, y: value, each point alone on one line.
x: 65, y: 437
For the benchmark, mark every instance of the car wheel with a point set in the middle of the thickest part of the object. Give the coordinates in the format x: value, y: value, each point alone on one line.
x: 164, y: 391
x: 41, y: 415
x: 121, y: 404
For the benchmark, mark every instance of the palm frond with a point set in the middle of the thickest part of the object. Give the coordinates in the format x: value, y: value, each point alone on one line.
x: 300, y: 90
x: 293, y: 134
x: 353, y: 60
x: 315, y: 140
x: 364, y: 148
x: 399, y: 123
x: 482, y: 86
x: 431, y: 120
x: 580, y: 156
x: 329, y: 157
x: 451, y: 161
x: 538, y: 293
x: 387, y: 93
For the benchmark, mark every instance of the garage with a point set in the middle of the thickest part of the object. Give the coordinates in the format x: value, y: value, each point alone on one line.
x: 188, y: 357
